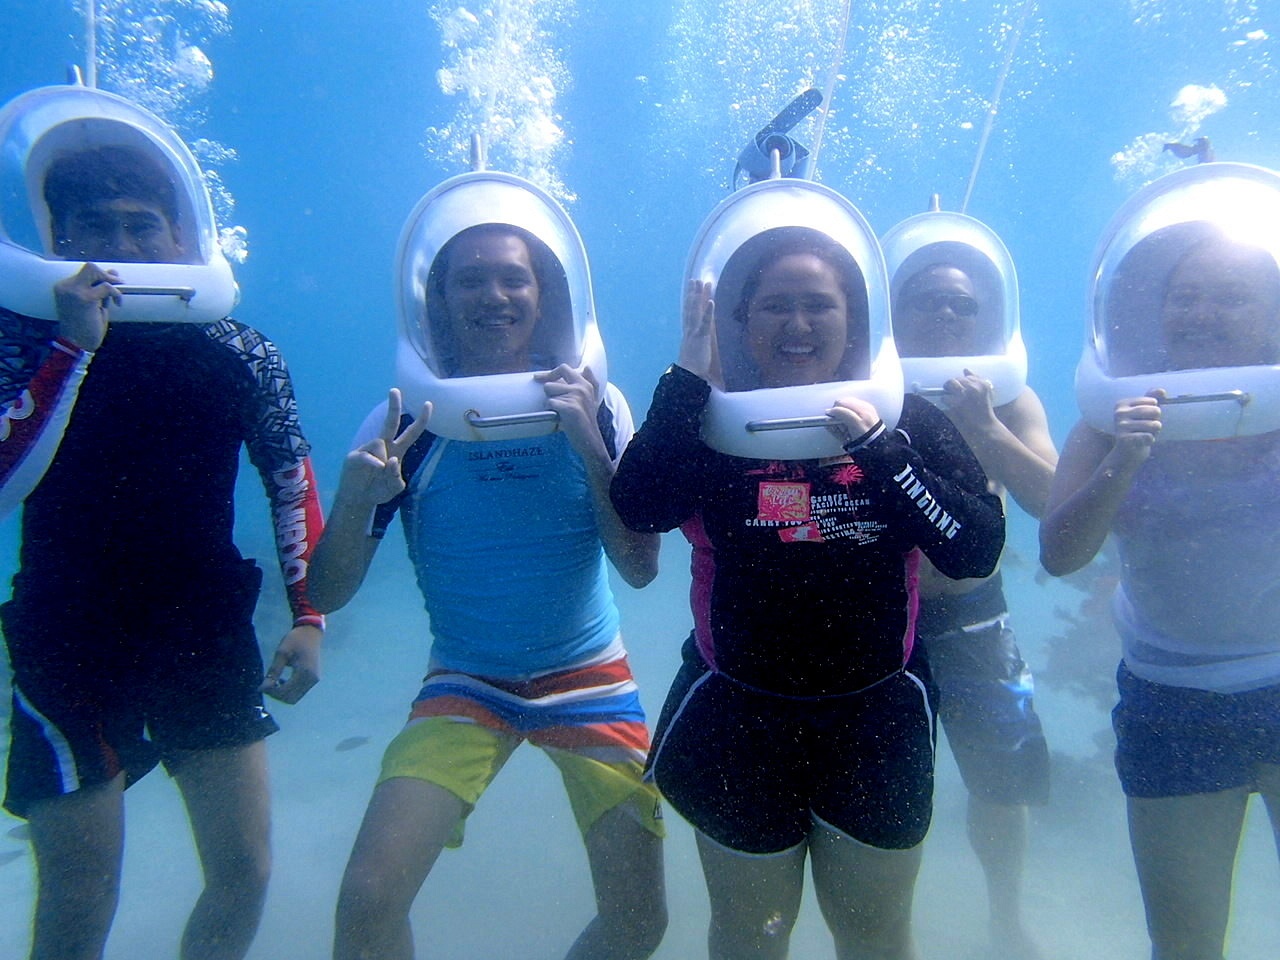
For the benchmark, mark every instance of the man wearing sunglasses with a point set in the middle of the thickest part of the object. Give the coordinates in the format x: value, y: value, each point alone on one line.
x: 937, y: 315
x: 985, y: 686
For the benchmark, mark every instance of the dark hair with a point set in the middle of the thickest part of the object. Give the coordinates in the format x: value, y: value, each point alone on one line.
x: 539, y: 254
x: 109, y: 172
x: 790, y: 241
x: 740, y: 280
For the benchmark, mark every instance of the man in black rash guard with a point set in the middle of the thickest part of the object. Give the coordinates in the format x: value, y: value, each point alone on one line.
x: 130, y: 627
x: 800, y: 724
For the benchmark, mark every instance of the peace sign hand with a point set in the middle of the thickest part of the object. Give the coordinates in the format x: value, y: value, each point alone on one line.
x: 371, y: 472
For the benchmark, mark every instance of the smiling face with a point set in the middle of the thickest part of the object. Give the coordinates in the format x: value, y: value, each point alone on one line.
x: 1222, y: 308
x: 491, y: 296
x: 797, y: 322
x: 937, y: 314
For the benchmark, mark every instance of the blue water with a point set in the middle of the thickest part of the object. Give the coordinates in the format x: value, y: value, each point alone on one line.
x: 328, y: 106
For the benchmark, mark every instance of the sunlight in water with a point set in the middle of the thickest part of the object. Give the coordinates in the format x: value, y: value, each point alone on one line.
x: 904, y: 92
x: 503, y: 65
x: 1227, y: 71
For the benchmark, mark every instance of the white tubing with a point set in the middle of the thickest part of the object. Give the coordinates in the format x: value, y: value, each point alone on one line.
x: 830, y: 89
x: 91, y: 43
x: 995, y: 104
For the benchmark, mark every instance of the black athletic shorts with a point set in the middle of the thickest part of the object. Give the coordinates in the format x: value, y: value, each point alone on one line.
x: 755, y: 772
x: 986, y: 695
x: 1178, y: 741
x: 117, y: 686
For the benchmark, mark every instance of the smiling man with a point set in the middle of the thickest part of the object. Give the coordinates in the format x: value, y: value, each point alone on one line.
x: 491, y: 295
x: 509, y: 540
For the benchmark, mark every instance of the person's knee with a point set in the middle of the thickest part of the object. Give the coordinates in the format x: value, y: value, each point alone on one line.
x: 241, y: 872
x: 642, y: 926
x: 251, y: 883
x: 368, y: 896
x: 765, y: 935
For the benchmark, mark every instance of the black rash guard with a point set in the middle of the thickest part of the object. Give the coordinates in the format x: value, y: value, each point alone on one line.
x: 142, y: 442
x: 804, y: 571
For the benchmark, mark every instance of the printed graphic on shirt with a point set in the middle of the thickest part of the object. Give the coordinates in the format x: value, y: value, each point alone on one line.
x: 505, y: 463
x: 947, y: 525
x: 783, y: 502
x: 786, y: 501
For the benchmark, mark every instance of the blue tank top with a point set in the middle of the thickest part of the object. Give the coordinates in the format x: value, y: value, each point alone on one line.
x: 506, y: 550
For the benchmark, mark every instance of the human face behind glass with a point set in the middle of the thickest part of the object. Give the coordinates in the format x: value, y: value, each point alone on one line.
x: 491, y: 295
x: 797, y: 322
x: 937, y: 315
x: 123, y: 230
x: 1222, y: 308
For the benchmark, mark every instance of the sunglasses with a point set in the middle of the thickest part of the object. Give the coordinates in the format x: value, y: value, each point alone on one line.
x: 961, y: 304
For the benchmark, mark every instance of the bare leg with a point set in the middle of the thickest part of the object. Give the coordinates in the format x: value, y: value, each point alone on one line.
x: 998, y: 835
x: 404, y: 830
x: 754, y: 900
x: 78, y: 840
x: 865, y: 894
x: 1185, y: 852
x: 631, y: 901
x: 226, y: 794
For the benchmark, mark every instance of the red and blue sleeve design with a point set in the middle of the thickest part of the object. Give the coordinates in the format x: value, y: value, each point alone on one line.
x: 40, y: 378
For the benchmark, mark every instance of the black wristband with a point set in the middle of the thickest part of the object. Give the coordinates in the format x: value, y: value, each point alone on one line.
x: 853, y: 446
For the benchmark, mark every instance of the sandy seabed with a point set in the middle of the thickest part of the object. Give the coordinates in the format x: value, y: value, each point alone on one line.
x: 519, y: 888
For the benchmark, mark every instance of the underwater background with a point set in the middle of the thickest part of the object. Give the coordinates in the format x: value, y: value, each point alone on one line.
x: 324, y: 122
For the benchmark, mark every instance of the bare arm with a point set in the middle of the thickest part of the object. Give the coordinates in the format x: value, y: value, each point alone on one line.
x: 1092, y: 481
x: 370, y: 476
x: 344, y: 553
x: 573, y: 396
x: 1012, y: 442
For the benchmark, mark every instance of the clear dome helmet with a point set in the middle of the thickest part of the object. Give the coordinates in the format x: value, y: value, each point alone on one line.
x: 444, y: 341
x: 954, y: 292
x: 81, y: 143
x: 739, y: 242
x: 1185, y: 297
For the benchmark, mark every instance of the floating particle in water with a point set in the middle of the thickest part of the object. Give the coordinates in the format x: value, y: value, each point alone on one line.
x: 774, y: 925
x: 911, y: 77
x: 153, y: 53
x: 351, y: 743
x: 212, y: 152
x: 458, y: 26
x: 191, y: 65
x: 1145, y: 158
x: 234, y: 243
x: 1194, y: 103
x: 503, y: 65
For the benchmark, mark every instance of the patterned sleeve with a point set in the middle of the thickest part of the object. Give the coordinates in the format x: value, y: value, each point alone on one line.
x: 281, y: 454
x: 40, y: 378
